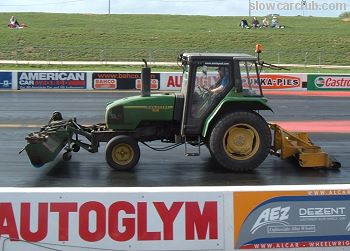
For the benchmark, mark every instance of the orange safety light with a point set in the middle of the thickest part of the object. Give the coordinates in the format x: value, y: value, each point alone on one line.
x: 258, y: 48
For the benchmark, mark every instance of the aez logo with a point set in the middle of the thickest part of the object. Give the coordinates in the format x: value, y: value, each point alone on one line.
x: 276, y: 215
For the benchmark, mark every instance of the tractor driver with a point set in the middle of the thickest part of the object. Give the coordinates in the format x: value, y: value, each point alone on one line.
x: 223, y: 81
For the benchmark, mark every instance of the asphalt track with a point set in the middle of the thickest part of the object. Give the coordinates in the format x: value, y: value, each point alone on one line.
x: 21, y: 112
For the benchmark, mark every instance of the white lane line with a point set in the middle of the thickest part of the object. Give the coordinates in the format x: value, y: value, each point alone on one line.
x: 19, y: 126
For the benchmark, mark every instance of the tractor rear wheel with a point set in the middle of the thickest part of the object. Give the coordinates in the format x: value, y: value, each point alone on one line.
x: 240, y: 141
x: 122, y: 153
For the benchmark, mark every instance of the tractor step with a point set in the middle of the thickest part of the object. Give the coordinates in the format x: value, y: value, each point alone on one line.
x: 196, y: 143
x: 298, y: 145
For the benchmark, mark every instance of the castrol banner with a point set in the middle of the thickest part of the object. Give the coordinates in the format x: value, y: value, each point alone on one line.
x: 292, y: 219
x: 328, y: 82
x: 112, y: 221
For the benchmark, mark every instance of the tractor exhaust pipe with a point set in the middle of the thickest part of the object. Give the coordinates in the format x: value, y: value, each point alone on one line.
x: 146, y: 80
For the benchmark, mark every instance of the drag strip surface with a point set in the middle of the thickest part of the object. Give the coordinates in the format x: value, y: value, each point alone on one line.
x: 21, y: 112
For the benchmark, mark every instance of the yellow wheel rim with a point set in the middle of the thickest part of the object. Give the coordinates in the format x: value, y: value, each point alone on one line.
x: 122, y: 154
x: 241, y: 142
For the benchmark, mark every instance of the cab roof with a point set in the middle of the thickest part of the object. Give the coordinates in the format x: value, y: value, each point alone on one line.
x: 216, y: 57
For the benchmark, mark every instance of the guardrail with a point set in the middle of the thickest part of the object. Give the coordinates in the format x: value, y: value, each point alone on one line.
x: 162, y: 81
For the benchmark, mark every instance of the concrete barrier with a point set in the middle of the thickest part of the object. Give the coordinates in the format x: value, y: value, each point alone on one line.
x: 163, y: 81
x: 193, y: 218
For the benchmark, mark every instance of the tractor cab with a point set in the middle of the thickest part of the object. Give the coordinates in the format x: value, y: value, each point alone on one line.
x: 213, y: 79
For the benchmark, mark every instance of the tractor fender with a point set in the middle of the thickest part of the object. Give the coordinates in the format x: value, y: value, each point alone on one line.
x: 227, y: 105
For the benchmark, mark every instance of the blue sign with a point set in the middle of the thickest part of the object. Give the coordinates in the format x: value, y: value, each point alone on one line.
x: 5, y: 80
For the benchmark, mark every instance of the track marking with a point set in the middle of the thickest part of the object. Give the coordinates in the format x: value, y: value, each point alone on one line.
x: 309, y: 93
x: 331, y: 126
x: 19, y: 126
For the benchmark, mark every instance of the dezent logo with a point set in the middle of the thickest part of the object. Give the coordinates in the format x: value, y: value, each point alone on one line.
x: 319, y: 82
x: 322, y: 212
x: 276, y: 215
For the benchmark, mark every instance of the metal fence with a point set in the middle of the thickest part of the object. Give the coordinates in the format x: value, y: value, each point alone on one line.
x: 81, y: 53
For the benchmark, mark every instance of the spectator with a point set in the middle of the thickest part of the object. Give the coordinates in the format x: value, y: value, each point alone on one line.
x: 266, y: 23
x: 255, y: 23
x: 13, y: 22
x: 275, y: 23
x: 244, y: 24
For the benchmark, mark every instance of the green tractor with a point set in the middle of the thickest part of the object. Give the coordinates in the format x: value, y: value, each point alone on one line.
x: 217, y: 107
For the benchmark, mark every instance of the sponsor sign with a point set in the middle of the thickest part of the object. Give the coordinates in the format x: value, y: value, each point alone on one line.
x: 5, y: 80
x: 105, y: 84
x: 328, y: 82
x: 154, y: 84
x: 114, y: 221
x: 173, y: 81
x: 291, y: 219
x: 122, y: 81
x: 54, y: 80
x: 277, y: 82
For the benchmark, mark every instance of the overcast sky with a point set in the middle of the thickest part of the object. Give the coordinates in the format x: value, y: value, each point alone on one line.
x: 176, y: 7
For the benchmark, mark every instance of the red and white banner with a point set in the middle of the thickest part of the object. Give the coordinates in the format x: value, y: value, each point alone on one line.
x: 117, y: 221
x: 105, y: 84
x: 283, y: 82
x: 170, y: 81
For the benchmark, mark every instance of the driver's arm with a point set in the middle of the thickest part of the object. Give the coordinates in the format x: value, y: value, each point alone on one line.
x: 217, y: 90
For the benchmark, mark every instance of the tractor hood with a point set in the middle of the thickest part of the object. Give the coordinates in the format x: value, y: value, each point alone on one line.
x: 128, y: 113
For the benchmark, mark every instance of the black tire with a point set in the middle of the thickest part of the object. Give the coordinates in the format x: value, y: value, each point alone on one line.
x: 75, y: 148
x: 122, y: 153
x: 67, y: 156
x: 240, y: 141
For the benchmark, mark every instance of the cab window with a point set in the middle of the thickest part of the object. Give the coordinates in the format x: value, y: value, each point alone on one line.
x: 210, y: 83
x: 250, y: 80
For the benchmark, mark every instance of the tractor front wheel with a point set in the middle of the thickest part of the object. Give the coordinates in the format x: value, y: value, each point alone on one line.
x: 240, y: 141
x: 122, y: 153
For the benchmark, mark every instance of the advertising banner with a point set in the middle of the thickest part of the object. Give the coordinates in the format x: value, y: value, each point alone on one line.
x: 51, y: 80
x: 279, y: 82
x: 5, y: 80
x: 328, y: 82
x: 122, y: 81
x: 292, y: 219
x: 114, y: 221
x: 170, y: 81
x: 283, y: 82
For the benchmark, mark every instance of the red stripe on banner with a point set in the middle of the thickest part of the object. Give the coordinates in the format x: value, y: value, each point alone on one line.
x: 310, y: 93
x: 336, y: 126
x: 76, y: 82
